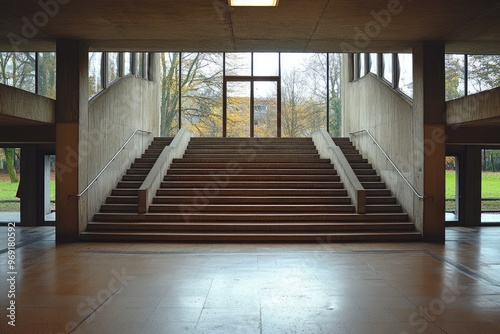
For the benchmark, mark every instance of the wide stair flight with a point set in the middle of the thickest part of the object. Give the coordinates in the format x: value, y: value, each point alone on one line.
x: 250, y: 189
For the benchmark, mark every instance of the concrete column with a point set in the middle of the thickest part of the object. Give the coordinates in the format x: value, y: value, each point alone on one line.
x: 430, y: 112
x: 71, y: 113
x: 29, y: 185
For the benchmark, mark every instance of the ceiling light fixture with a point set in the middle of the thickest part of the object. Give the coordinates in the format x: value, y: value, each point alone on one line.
x: 253, y: 3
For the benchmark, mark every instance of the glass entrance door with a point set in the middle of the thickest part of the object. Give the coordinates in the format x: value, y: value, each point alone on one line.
x: 251, y: 107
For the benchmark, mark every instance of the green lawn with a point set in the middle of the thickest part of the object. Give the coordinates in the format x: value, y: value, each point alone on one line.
x: 490, y: 189
x: 8, y: 192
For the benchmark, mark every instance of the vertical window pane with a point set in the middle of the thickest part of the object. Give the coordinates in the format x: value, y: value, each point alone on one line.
x: 265, y: 64
x: 387, y: 66
x: 484, y: 72
x: 146, y: 66
x: 139, y: 65
x: 169, y: 107
x: 265, y: 109
x: 239, y: 63
x: 238, y: 109
x: 18, y: 70
x: 451, y: 206
x: 335, y: 99
x: 362, y: 65
x: 455, y: 76
x: 303, y: 93
x: 373, y: 63
x: 405, y: 83
x: 47, y: 74
x: 490, y: 186
x: 202, y: 93
x: 95, y: 73
x: 127, y: 63
x: 113, y: 66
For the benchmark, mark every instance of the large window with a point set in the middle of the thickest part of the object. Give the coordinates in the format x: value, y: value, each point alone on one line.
x: 201, y: 97
x: 17, y: 69
x: 300, y: 91
x: 470, y: 74
x: 107, y: 67
x: 304, y: 93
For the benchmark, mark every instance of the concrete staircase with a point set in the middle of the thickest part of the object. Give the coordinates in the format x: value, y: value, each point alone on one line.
x: 124, y: 197
x: 378, y: 198
x: 249, y: 189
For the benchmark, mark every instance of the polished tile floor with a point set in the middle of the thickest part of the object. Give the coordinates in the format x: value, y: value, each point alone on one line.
x: 254, y: 288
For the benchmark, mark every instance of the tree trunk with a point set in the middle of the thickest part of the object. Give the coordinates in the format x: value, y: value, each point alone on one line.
x: 9, y: 157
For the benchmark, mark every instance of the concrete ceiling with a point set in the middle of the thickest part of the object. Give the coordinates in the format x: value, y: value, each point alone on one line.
x: 467, y: 26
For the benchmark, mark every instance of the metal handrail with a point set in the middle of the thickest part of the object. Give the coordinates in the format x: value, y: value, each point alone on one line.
x: 109, y: 162
x: 392, y: 163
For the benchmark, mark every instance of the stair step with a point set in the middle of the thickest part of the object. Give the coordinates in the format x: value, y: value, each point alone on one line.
x: 310, y: 171
x: 124, y: 192
x: 136, y: 177
x: 150, y: 156
x: 249, y: 151
x: 180, y: 163
x: 119, y: 208
x: 365, y: 171
x: 129, y: 184
x: 204, y: 200
x: 142, y: 165
x: 378, y: 192
x: 249, y: 208
x: 254, y: 177
x: 253, y: 237
x: 249, y: 192
x: 373, y: 185
x: 250, y: 217
x: 242, y: 184
x: 138, y: 171
x: 122, y: 200
x: 368, y: 178
x: 356, y: 165
x: 380, y: 200
x: 249, y: 227
x: 383, y: 208
x: 253, y: 159
x: 145, y: 160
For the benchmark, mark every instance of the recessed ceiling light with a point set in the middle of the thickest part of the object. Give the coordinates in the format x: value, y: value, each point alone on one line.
x: 253, y: 3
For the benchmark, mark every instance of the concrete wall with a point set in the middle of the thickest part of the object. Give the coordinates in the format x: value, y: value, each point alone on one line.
x: 25, y: 106
x: 473, y: 108
x: 370, y: 104
x: 127, y: 105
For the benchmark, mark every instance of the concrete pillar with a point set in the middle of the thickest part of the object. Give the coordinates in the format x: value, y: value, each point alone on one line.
x: 29, y: 185
x: 71, y: 113
x: 430, y: 112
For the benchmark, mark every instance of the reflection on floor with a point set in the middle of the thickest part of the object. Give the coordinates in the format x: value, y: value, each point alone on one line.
x: 254, y: 288
x: 9, y: 217
x: 486, y: 218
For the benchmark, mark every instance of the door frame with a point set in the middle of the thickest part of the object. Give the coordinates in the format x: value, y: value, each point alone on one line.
x: 251, y: 79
